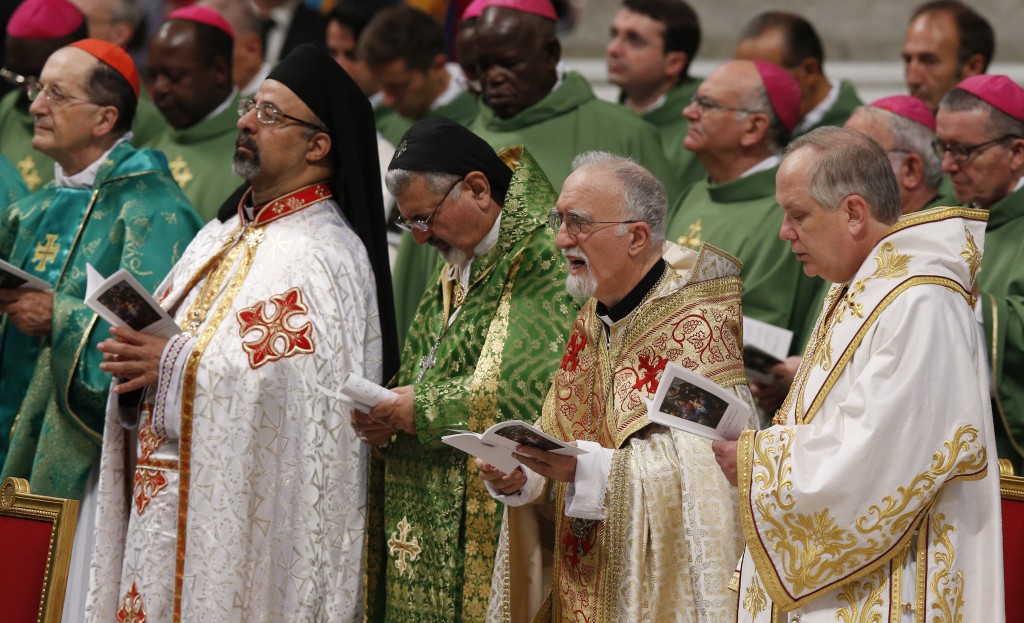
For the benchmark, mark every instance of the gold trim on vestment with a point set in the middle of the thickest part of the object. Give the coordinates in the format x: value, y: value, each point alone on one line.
x: 897, y: 567
x: 937, y: 214
x: 72, y: 416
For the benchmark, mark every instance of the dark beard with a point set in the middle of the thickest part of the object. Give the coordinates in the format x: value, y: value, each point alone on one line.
x: 245, y: 165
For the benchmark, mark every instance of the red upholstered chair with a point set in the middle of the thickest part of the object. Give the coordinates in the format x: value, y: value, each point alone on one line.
x: 36, y: 533
x: 1012, y: 489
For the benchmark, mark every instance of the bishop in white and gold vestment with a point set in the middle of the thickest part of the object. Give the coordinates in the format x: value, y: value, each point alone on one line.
x: 875, y: 496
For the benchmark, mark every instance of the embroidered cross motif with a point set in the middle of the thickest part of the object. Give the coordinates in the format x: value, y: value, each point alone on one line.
x: 131, y: 609
x: 46, y: 253
x: 180, y: 171
x: 146, y: 484
x: 647, y: 374
x: 401, y: 546
x: 27, y: 168
x: 571, y: 358
x: 276, y: 339
x: 692, y: 238
x: 149, y: 440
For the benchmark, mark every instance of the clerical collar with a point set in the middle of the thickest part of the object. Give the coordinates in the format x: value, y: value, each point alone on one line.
x: 816, y: 114
x: 632, y: 300
x: 456, y: 85
x: 87, y: 176
x: 284, y: 205
x: 485, y: 245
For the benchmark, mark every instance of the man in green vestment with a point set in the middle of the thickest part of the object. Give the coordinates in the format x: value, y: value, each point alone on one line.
x: 12, y: 187
x: 405, y: 50
x: 36, y: 29
x: 980, y: 130
x: 524, y: 100
x: 481, y: 350
x: 110, y: 206
x: 189, y: 72
x: 790, y: 41
x: 740, y: 119
x: 653, y: 44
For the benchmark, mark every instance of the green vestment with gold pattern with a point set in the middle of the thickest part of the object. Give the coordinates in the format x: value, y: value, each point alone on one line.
x: 432, y: 526
x: 133, y: 217
x: 12, y: 187
x: 742, y: 218
x: 200, y: 159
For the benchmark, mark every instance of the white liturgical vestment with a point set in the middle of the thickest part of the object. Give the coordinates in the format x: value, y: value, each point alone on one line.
x: 875, y: 497
x: 246, y: 500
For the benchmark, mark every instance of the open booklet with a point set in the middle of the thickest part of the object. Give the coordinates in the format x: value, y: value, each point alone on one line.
x: 764, y: 345
x: 690, y: 402
x: 496, y: 444
x: 13, y: 277
x: 122, y: 301
x: 365, y: 394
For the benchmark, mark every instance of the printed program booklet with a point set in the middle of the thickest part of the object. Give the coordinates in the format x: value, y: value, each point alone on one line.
x: 13, y: 277
x: 690, y: 402
x: 497, y: 443
x: 122, y: 301
x: 764, y: 345
x: 365, y: 394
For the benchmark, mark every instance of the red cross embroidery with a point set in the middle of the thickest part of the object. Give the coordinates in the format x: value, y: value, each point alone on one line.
x: 571, y: 359
x: 132, y: 609
x: 647, y: 374
x: 277, y: 339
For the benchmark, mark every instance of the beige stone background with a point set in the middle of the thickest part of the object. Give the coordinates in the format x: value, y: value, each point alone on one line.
x: 862, y: 38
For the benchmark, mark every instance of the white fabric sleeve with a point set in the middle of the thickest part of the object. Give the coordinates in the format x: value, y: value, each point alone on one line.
x: 584, y: 497
x: 167, y: 404
x: 532, y: 489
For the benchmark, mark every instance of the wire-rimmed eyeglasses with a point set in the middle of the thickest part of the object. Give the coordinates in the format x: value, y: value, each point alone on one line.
x: 961, y: 154
x: 423, y: 224
x: 268, y: 114
x: 576, y: 225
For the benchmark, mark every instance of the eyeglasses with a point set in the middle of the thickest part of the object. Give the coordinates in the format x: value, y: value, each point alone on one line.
x: 268, y: 114
x: 423, y: 224
x: 576, y: 225
x: 54, y: 96
x: 962, y: 154
x: 18, y: 80
x: 704, y: 104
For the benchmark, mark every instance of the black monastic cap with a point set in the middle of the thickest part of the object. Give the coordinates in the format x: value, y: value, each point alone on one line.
x: 334, y: 97
x: 440, y: 145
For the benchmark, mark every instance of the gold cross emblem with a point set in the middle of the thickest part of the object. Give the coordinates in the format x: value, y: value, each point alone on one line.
x: 400, y: 546
x: 27, y: 168
x: 692, y: 237
x: 46, y: 253
x: 180, y: 171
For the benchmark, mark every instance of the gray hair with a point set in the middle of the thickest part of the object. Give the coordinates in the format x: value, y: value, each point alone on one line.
x: 398, y: 180
x: 999, y: 123
x: 849, y: 163
x: 776, y: 137
x: 909, y: 136
x: 643, y: 194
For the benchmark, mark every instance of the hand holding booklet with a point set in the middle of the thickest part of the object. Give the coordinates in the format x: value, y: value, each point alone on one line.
x: 122, y: 301
x: 13, y: 277
x: 764, y: 345
x: 691, y: 402
x: 497, y: 443
x: 365, y: 394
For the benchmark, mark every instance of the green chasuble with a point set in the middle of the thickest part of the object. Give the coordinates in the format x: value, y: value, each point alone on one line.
x: 414, y: 263
x: 134, y: 217
x: 840, y: 110
x: 432, y: 527
x: 1001, y: 282
x: 200, y: 159
x: 17, y: 127
x: 742, y: 218
x: 12, y: 187
x: 571, y: 120
x: 668, y: 119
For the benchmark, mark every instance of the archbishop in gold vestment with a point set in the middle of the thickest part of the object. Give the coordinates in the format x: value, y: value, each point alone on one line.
x: 671, y: 536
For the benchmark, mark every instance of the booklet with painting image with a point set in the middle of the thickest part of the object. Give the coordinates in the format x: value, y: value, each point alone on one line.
x: 13, y: 277
x: 497, y: 443
x: 691, y: 402
x: 764, y: 345
x: 122, y: 301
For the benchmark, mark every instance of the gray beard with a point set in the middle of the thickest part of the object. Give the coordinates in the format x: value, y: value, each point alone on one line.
x: 246, y: 167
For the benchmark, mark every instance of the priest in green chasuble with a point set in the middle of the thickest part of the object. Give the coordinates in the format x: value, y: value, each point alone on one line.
x: 980, y: 129
x: 481, y: 350
x: 111, y: 206
x: 189, y: 69
x: 740, y: 120
x: 645, y: 527
x: 875, y: 494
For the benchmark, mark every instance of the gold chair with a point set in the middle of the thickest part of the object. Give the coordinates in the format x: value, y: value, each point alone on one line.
x: 36, y: 534
x: 1012, y: 490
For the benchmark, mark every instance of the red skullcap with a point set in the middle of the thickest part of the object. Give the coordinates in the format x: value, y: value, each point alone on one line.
x: 783, y: 92
x: 999, y: 91
x: 203, y: 15
x: 44, y: 19
x: 115, y: 57
x: 542, y: 8
x: 909, y: 107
